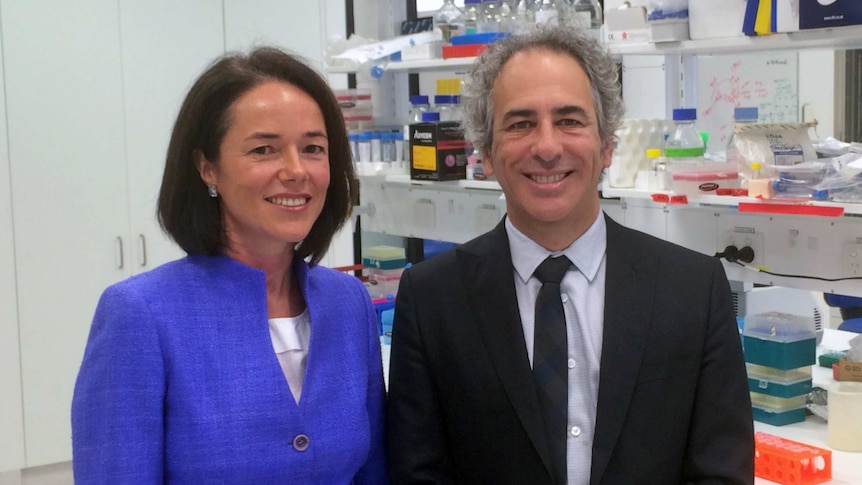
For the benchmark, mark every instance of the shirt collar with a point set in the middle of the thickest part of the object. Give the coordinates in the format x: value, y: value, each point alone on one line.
x: 586, y: 252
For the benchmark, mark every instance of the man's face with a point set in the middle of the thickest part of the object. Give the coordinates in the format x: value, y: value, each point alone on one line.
x: 546, y: 150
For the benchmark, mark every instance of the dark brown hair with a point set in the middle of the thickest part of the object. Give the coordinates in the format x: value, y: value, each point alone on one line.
x: 186, y: 212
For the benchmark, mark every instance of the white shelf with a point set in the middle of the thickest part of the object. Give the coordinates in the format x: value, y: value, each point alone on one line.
x: 427, y: 65
x: 715, y: 200
x: 835, y: 38
x: 404, y: 179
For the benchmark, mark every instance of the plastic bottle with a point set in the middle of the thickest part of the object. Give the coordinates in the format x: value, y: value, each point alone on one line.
x: 588, y: 13
x: 419, y: 105
x: 744, y: 116
x: 456, y: 108
x: 443, y: 105
x: 450, y: 20
x: 490, y: 19
x: 472, y: 11
x: 547, y: 12
x: 475, y: 170
x: 376, y: 146
x: 684, y: 145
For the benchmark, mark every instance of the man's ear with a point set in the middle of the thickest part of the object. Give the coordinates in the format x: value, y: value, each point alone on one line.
x: 487, y: 166
x: 206, y: 168
x: 607, y: 153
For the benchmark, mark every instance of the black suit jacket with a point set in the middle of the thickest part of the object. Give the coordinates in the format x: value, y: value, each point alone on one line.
x: 673, y: 403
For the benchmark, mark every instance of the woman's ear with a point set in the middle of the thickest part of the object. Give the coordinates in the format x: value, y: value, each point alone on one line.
x: 206, y: 168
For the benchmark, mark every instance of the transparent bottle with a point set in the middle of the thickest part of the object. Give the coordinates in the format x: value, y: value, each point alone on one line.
x: 684, y: 145
x: 472, y: 12
x: 419, y: 104
x: 587, y: 13
x: 547, y: 12
x: 443, y: 105
x: 514, y: 18
x: 741, y: 117
x: 490, y: 19
x: 449, y: 19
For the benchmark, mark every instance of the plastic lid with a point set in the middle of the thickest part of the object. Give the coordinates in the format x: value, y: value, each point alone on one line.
x: 456, y: 99
x: 653, y: 153
x: 472, y: 2
x: 443, y: 99
x: 418, y: 99
x: 745, y: 114
x: 755, y: 165
x: 685, y: 114
x: 431, y: 116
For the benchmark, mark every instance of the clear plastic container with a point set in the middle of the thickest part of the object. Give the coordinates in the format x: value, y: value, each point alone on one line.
x: 547, y: 12
x: 450, y: 20
x: 419, y: 104
x: 472, y: 12
x: 443, y: 105
x: 741, y: 116
x: 587, y: 13
x: 684, y: 145
x: 490, y: 18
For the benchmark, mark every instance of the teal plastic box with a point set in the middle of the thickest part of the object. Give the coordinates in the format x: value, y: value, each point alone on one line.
x: 779, y: 418
x: 779, y: 383
x: 780, y: 340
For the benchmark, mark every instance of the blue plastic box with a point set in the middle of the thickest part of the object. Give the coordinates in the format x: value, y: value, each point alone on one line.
x: 781, y: 418
x: 778, y: 383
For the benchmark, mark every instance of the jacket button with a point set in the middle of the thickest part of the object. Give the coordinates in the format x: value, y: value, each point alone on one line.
x: 300, y: 442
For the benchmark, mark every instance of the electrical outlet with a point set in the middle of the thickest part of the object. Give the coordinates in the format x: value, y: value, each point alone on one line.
x: 851, y: 259
x: 744, y: 236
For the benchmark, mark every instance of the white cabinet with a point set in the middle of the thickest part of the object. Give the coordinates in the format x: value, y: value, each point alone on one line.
x: 91, y: 91
x: 90, y: 111
x: 66, y: 148
x: 12, y: 434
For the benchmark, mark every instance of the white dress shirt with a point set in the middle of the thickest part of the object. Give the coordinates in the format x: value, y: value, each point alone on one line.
x: 583, y: 294
x: 290, y: 338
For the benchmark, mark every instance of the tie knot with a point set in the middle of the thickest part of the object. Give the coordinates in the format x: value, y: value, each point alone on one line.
x: 552, y: 269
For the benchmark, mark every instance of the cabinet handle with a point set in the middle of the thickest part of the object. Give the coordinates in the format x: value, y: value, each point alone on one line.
x: 143, y: 250
x: 120, y: 246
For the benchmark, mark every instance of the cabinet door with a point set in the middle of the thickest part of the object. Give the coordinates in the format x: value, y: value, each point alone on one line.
x: 68, y: 173
x: 11, y: 416
x: 165, y: 46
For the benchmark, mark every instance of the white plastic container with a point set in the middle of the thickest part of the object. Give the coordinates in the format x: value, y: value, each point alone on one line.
x: 845, y: 416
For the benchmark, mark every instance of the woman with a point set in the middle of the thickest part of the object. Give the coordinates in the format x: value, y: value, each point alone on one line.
x: 244, y: 362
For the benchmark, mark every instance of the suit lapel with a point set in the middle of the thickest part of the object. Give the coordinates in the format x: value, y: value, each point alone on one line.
x: 489, y: 277
x: 629, y: 286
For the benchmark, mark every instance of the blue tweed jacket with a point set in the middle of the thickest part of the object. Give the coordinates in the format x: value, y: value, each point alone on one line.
x: 180, y: 383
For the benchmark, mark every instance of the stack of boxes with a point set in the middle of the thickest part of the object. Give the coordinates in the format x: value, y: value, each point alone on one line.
x: 780, y: 349
x: 383, y: 266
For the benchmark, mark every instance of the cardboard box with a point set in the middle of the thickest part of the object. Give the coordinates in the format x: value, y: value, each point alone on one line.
x: 815, y: 14
x: 439, y: 151
x: 708, y: 19
x: 848, y: 371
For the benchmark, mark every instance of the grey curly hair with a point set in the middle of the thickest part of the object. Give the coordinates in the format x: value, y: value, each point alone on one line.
x: 602, y: 71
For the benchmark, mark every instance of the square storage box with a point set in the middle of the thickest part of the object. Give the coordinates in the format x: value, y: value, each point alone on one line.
x: 779, y: 383
x: 779, y: 340
x: 384, y: 257
x: 778, y: 418
x: 703, y: 178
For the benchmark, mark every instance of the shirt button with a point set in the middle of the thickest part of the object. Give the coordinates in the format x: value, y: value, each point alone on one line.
x: 571, y: 363
x: 565, y: 298
x: 575, y: 431
x: 300, y: 442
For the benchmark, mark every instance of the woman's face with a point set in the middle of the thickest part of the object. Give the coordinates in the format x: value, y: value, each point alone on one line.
x: 273, y: 169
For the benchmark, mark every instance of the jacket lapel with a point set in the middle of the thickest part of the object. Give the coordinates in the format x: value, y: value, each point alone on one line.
x: 629, y: 287
x: 487, y: 269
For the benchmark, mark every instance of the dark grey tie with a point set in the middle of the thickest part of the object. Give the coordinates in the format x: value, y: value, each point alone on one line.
x: 550, y: 351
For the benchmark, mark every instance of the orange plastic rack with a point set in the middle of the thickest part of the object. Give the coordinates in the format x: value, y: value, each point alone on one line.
x: 790, y: 462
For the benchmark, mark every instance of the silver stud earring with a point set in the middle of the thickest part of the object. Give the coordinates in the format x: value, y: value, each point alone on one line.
x: 212, y: 191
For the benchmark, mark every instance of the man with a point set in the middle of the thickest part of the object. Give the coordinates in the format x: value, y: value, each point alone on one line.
x: 650, y: 384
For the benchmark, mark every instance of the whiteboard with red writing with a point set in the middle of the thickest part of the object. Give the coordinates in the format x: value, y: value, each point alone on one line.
x: 769, y: 81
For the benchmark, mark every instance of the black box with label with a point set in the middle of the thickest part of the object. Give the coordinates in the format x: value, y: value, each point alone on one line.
x: 438, y: 151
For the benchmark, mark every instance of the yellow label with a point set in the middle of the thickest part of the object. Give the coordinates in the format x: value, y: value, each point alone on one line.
x: 424, y: 158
